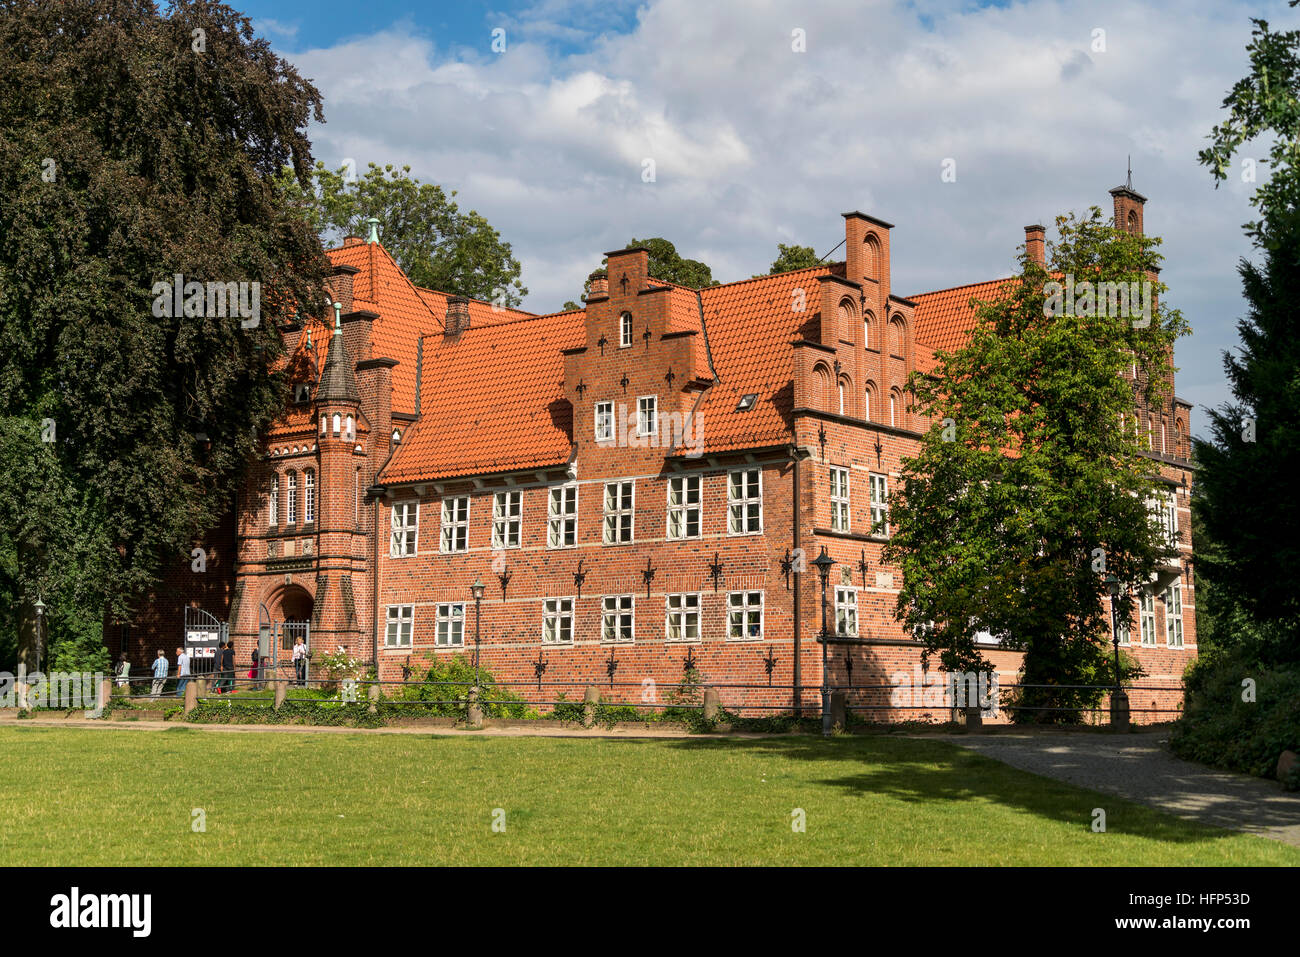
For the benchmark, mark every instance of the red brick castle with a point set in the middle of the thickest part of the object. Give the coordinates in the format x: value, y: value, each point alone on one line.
x: 634, y: 483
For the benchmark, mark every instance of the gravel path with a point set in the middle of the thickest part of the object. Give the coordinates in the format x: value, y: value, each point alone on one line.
x: 1140, y: 767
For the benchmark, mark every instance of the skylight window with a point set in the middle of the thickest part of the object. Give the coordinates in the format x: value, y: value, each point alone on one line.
x: 747, y: 402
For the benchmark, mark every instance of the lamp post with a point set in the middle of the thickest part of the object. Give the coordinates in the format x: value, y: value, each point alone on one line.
x: 39, y: 607
x: 1113, y: 586
x: 824, y: 563
x: 477, y: 589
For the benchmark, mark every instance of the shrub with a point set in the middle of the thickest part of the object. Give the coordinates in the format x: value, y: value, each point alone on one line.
x: 1220, y: 729
x: 453, y: 699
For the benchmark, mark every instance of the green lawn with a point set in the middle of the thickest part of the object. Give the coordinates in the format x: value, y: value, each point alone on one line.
x: 118, y: 796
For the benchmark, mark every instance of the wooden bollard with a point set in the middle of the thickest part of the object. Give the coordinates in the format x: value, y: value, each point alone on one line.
x: 589, y: 702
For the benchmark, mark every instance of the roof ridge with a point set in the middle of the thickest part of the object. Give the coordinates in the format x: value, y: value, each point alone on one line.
x: 964, y: 285
x: 484, y: 302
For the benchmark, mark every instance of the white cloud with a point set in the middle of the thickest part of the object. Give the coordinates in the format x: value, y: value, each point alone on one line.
x: 755, y: 144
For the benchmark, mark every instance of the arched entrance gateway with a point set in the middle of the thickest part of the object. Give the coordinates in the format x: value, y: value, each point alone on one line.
x: 282, y: 617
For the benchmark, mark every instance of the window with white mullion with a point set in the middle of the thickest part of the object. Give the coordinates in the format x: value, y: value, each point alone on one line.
x: 618, y: 513
x: 682, y: 617
x: 405, y: 521
x: 1174, y: 616
x: 684, y: 507
x: 557, y: 621
x: 604, y: 421
x: 878, y: 489
x: 744, y: 502
x: 451, y: 625
x: 562, y: 516
x: 744, y: 615
x: 291, y: 499
x: 846, y: 612
x: 400, y: 625
x: 1147, y: 618
x: 839, y: 499
x: 455, y: 524
x: 506, y: 510
x: 616, y: 618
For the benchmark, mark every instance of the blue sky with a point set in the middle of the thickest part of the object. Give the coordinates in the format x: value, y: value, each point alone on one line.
x: 1038, y: 103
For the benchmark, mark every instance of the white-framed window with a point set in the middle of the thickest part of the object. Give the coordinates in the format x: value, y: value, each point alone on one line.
x: 1170, y: 517
x: 625, y: 330
x: 455, y: 524
x: 322, y: 425
x: 744, y: 501
x: 878, y: 488
x: 273, y: 506
x: 507, y: 507
x: 557, y: 621
x: 846, y: 611
x: 309, y: 496
x: 338, y: 419
x: 451, y: 625
x: 291, y: 498
x: 683, y: 507
x: 1174, y: 616
x: 405, y: 520
x: 1123, y: 632
x: 401, y: 623
x: 682, y: 617
x: 618, y: 512
x: 866, y: 333
x: 349, y: 428
x: 744, y: 615
x: 841, y: 398
x: 604, y: 421
x: 839, y: 499
x: 1147, y: 618
x: 866, y: 405
x: 647, y: 416
x: 893, y: 409
x: 562, y: 516
x: 616, y: 618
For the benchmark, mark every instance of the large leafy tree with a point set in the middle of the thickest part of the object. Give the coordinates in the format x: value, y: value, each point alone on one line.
x: 135, y: 145
x: 1244, y: 498
x: 1026, y: 472
x: 437, y: 245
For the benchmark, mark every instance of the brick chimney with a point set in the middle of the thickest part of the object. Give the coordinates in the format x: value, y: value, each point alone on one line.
x: 598, y: 285
x: 1036, y: 244
x: 457, y: 316
x: 351, y: 241
x: 339, y: 285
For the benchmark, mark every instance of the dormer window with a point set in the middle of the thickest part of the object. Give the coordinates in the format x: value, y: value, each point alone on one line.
x: 302, y: 392
x: 625, y: 330
x: 747, y: 402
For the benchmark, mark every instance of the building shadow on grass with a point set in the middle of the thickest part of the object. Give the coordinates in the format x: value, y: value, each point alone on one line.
x: 917, y: 771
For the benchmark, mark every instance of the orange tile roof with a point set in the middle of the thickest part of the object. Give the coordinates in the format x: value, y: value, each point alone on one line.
x: 944, y: 319
x: 750, y: 326
x: 493, y: 401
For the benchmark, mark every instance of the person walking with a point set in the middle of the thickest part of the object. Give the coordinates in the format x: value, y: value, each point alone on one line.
x: 300, y: 661
x: 182, y: 672
x: 123, y: 670
x: 160, y: 667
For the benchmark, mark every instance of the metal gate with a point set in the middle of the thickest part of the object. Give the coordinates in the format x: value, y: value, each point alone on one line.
x: 283, y: 637
x: 204, y: 634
